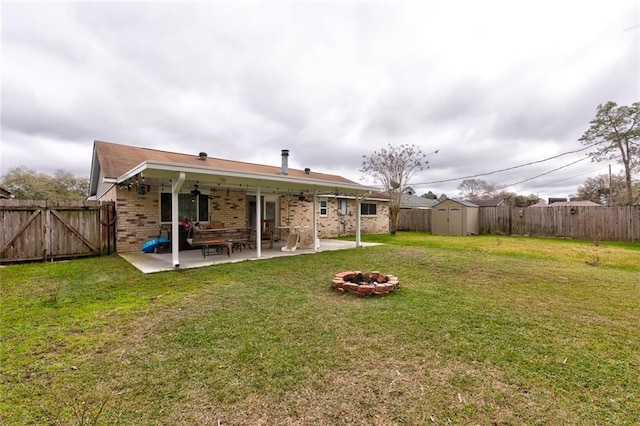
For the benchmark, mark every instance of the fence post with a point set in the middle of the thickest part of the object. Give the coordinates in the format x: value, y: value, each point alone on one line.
x: 46, y: 234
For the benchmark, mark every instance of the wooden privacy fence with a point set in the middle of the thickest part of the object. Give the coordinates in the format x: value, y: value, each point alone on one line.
x: 414, y: 220
x: 579, y: 222
x: 43, y: 230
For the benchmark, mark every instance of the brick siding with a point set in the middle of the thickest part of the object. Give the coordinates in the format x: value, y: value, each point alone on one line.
x: 139, y: 215
x: 229, y: 208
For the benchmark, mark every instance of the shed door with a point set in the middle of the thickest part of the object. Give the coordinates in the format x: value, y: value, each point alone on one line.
x: 455, y: 221
x: 440, y: 224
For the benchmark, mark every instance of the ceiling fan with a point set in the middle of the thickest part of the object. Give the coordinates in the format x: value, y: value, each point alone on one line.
x: 302, y: 197
x: 195, y: 192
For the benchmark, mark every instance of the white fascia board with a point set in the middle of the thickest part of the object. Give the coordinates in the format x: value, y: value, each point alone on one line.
x: 109, y: 184
x: 258, y: 179
x: 351, y: 197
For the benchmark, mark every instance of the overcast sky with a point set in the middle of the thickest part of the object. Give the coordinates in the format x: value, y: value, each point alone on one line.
x: 490, y: 84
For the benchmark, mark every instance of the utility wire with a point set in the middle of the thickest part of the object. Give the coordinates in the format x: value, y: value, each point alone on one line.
x: 575, y: 176
x: 545, y: 173
x: 508, y: 168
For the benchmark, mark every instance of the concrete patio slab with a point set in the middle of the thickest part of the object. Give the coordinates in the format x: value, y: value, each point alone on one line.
x: 158, y: 262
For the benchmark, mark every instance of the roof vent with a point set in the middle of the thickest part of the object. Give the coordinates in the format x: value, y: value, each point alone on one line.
x: 203, y: 156
x: 307, y: 170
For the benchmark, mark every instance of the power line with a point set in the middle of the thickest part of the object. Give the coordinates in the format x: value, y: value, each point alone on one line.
x: 545, y: 173
x: 508, y: 168
x: 575, y: 176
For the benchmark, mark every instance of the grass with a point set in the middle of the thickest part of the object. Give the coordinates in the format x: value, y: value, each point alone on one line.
x: 484, y: 330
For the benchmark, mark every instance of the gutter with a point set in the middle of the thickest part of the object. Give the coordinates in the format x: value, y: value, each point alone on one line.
x: 257, y: 177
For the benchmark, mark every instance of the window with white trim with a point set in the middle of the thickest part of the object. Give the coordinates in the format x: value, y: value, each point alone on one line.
x: 342, y: 206
x: 196, y: 209
x: 368, y: 209
x: 323, y: 207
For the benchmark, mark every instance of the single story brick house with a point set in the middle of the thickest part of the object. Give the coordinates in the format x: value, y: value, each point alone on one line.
x: 153, y: 188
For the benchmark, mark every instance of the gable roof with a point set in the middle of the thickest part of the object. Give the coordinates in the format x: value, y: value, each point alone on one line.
x: 115, y: 160
x: 115, y: 163
x: 488, y: 203
x: 5, y: 193
x: 415, y: 202
x: 580, y: 203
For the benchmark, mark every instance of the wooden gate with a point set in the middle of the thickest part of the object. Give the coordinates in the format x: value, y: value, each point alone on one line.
x: 43, y: 230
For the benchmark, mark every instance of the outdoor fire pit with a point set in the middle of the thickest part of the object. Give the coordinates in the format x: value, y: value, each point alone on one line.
x: 365, y: 283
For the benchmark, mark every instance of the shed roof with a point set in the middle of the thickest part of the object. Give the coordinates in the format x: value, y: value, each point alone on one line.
x: 461, y: 202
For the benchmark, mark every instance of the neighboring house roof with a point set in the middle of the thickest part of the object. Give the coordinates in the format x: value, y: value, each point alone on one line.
x: 415, y: 202
x: 115, y: 163
x: 5, y: 193
x: 582, y: 203
x: 488, y: 203
x: 377, y: 195
x: 462, y: 202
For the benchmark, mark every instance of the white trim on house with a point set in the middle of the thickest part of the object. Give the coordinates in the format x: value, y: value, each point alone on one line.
x: 243, y: 180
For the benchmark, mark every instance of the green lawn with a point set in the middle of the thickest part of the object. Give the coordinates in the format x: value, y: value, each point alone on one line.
x: 484, y: 330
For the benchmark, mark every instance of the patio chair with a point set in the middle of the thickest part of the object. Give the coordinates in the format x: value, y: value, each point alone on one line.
x: 292, y: 242
x: 268, y: 230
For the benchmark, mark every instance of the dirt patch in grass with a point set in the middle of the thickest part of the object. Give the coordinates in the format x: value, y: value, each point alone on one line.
x: 382, y: 391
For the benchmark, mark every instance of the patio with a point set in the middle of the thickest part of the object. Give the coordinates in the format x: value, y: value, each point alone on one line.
x: 157, y: 262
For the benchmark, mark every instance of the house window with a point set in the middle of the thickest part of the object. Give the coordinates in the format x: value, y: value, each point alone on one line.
x: 323, y: 207
x: 342, y: 206
x: 368, y: 209
x: 196, y: 209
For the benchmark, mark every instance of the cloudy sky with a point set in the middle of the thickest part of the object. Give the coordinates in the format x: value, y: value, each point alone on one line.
x: 490, y: 84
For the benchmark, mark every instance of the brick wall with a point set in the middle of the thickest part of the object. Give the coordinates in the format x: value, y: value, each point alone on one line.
x: 378, y: 224
x: 294, y: 212
x: 138, y: 217
x: 229, y: 208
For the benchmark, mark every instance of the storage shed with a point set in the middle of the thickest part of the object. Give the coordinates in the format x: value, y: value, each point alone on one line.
x: 455, y: 217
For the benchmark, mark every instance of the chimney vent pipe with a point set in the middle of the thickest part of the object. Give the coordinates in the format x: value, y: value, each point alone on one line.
x: 285, y: 162
x: 203, y: 156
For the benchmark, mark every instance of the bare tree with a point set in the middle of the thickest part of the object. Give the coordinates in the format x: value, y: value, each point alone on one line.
x: 615, y: 135
x: 393, y: 167
x: 517, y: 200
x: 477, y: 189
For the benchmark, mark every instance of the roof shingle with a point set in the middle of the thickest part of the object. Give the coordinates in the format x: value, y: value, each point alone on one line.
x: 115, y: 160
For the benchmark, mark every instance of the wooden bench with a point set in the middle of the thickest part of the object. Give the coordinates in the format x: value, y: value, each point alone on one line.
x: 239, y: 237
x: 214, y: 241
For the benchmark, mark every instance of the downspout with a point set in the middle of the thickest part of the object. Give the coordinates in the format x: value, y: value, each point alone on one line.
x: 258, y: 223
x: 175, y: 220
x: 314, y: 231
x: 358, y: 202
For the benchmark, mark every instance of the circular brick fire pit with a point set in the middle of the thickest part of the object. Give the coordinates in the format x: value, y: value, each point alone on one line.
x: 365, y: 283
